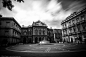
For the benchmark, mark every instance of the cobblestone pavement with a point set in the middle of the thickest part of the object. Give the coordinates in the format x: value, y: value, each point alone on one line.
x: 54, y: 48
x: 35, y: 50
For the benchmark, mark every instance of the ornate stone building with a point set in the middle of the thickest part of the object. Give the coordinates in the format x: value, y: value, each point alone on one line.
x: 10, y: 31
x: 37, y: 32
x: 74, y: 27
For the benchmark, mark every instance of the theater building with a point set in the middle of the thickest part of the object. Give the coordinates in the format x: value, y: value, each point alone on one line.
x: 74, y: 27
x: 34, y: 33
x: 37, y: 32
x: 10, y: 31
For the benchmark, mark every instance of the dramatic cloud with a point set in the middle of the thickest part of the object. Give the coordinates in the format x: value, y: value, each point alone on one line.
x: 52, y: 12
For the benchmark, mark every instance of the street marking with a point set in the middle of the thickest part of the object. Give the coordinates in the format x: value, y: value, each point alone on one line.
x: 48, y: 49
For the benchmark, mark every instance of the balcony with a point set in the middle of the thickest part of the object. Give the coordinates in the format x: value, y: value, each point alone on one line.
x: 64, y: 27
x: 69, y: 26
x: 17, y: 28
x: 73, y: 24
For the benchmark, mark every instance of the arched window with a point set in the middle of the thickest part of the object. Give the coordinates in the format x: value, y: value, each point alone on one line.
x: 40, y: 32
x: 43, y: 32
x: 36, y: 32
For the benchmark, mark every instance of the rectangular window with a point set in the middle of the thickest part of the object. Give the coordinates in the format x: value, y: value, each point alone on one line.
x: 73, y: 21
x: 77, y: 19
x: 69, y: 23
x: 43, y: 32
x: 82, y: 17
x: 84, y: 27
x: 14, y: 24
x: 36, y: 32
x: 6, y: 31
x: 7, y: 22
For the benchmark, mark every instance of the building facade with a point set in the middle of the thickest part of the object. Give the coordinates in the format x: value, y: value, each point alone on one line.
x: 26, y: 35
x: 74, y: 27
x: 57, y: 35
x: 50, y: 35
x: 10, y: 31
x: 37, y: 32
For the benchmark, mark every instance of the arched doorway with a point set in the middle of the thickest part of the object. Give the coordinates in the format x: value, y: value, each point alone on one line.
x: 72, y: 40
x: 24, y: 40
x: 36, y: 40
x: 39, y: 38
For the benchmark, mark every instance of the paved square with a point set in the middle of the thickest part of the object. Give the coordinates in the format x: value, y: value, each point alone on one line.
x: 54, y: 48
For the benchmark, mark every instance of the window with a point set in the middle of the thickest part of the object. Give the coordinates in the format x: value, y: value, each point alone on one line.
x: 25, y: 30
x: 7, y: 22
x: 74, y: 29
x: 65, y: 24
x: 69, y: 23
x: 14, y: 24
x: 77, y: 19
x: 43, y: 32
x: 84, y: 26
x: 78, y: 27
x: 39, y: 32
x: 73, y: 21
x: 82, y: 17
x: 36, y: 32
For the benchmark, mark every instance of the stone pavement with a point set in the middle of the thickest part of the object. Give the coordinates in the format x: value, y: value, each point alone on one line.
x: 35, y: 50
x: 55, y: 48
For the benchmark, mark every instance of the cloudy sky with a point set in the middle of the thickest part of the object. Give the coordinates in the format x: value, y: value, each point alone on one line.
x: 51, y: 12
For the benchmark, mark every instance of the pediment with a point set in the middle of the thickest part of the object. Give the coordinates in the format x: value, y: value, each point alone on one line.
x: 38, y: 23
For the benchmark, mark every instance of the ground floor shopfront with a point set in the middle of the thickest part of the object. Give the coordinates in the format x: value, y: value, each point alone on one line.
x: 75, y: 38
x: 36, y: 39
x: 9, y: 41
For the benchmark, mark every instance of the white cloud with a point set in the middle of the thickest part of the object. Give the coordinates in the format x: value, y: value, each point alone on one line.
x: 37, y: 11
x: 44, y: 10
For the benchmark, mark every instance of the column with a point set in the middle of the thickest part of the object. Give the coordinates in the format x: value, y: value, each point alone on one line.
x: 54, y: 37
